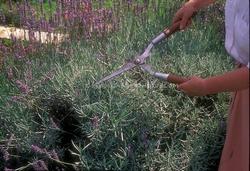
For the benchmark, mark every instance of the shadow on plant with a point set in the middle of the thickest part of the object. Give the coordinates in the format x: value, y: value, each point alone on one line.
x: 66, y: 118
x: 208, y: 149
x: 207, y: 102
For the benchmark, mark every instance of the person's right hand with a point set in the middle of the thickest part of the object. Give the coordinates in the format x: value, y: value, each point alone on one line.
x: 184, y: 14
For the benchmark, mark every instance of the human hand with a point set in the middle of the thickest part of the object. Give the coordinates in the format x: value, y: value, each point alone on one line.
x: 195, y: 86
x: 184, y: 14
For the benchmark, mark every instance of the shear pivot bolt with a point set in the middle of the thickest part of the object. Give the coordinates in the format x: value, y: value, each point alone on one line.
x: 137, y: 61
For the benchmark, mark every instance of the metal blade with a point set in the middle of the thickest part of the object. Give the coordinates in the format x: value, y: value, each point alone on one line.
x: 123, y: 69
x: 147, y: 68
x: 146, y: 54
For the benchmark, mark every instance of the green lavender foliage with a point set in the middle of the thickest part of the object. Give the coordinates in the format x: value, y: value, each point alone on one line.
x: 134, y: 122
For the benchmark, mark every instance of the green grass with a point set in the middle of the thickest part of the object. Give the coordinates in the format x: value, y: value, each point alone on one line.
x: 182, y: 133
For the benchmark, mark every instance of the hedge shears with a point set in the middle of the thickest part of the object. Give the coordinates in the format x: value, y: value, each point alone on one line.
x: 140, y: 60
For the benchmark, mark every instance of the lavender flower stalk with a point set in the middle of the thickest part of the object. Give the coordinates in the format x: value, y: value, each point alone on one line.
x: 37, y: 149
x: 39, y: 165
x: 24, y: 88
x: 10, y: 74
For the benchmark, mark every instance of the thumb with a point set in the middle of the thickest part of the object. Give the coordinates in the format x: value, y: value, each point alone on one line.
x: 183, y: 23
x: 180, y: 86
x: 185, y: 84
x: 189, y: 22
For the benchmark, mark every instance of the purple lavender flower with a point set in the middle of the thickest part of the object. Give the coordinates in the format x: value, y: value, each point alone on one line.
x: 18, y: 49
x: 37, y: 149
x: 16, y: 98
x: 10, y: 74
x: 129, y: 2
x: 24, y: 88
x: 18, y: 55
x: 39, y: 165
x: 54, y: 155
x: 110, y: 14
x: 5, y: 154
x: 95, y: 122
x: 7, y: 169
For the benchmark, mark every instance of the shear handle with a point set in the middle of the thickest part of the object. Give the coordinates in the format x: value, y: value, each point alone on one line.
x: 172, y: 29
x: 171, y: 78
x: 176, y: 79
x: 166, y: 33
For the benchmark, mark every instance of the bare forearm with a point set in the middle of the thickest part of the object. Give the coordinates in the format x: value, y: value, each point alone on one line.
x: 228, y: 82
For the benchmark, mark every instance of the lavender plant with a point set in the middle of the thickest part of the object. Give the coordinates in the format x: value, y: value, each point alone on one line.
x: 63, y: 122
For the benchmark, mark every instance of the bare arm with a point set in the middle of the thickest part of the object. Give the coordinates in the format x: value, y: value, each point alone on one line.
x: 227, y: 82
x: 230, y: 81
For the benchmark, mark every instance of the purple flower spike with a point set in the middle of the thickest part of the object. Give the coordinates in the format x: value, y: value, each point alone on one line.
x: 10, y: 74
x: 37, y: 149
x: 5, y: 154
x: 95, y: 122
x: 39, y: 165
x: 54, y: 155
x: 7, y: 169
x: 16, y: 98
x: 24, y: 88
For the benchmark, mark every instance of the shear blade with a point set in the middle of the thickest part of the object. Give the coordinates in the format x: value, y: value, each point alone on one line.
x: 123, y: 69
x: 147, y: 68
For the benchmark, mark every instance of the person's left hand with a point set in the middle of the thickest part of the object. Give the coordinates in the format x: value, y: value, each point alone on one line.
x: 195, y: 86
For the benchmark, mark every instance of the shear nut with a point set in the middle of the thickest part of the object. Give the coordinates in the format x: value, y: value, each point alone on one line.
x: 137, y: 61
